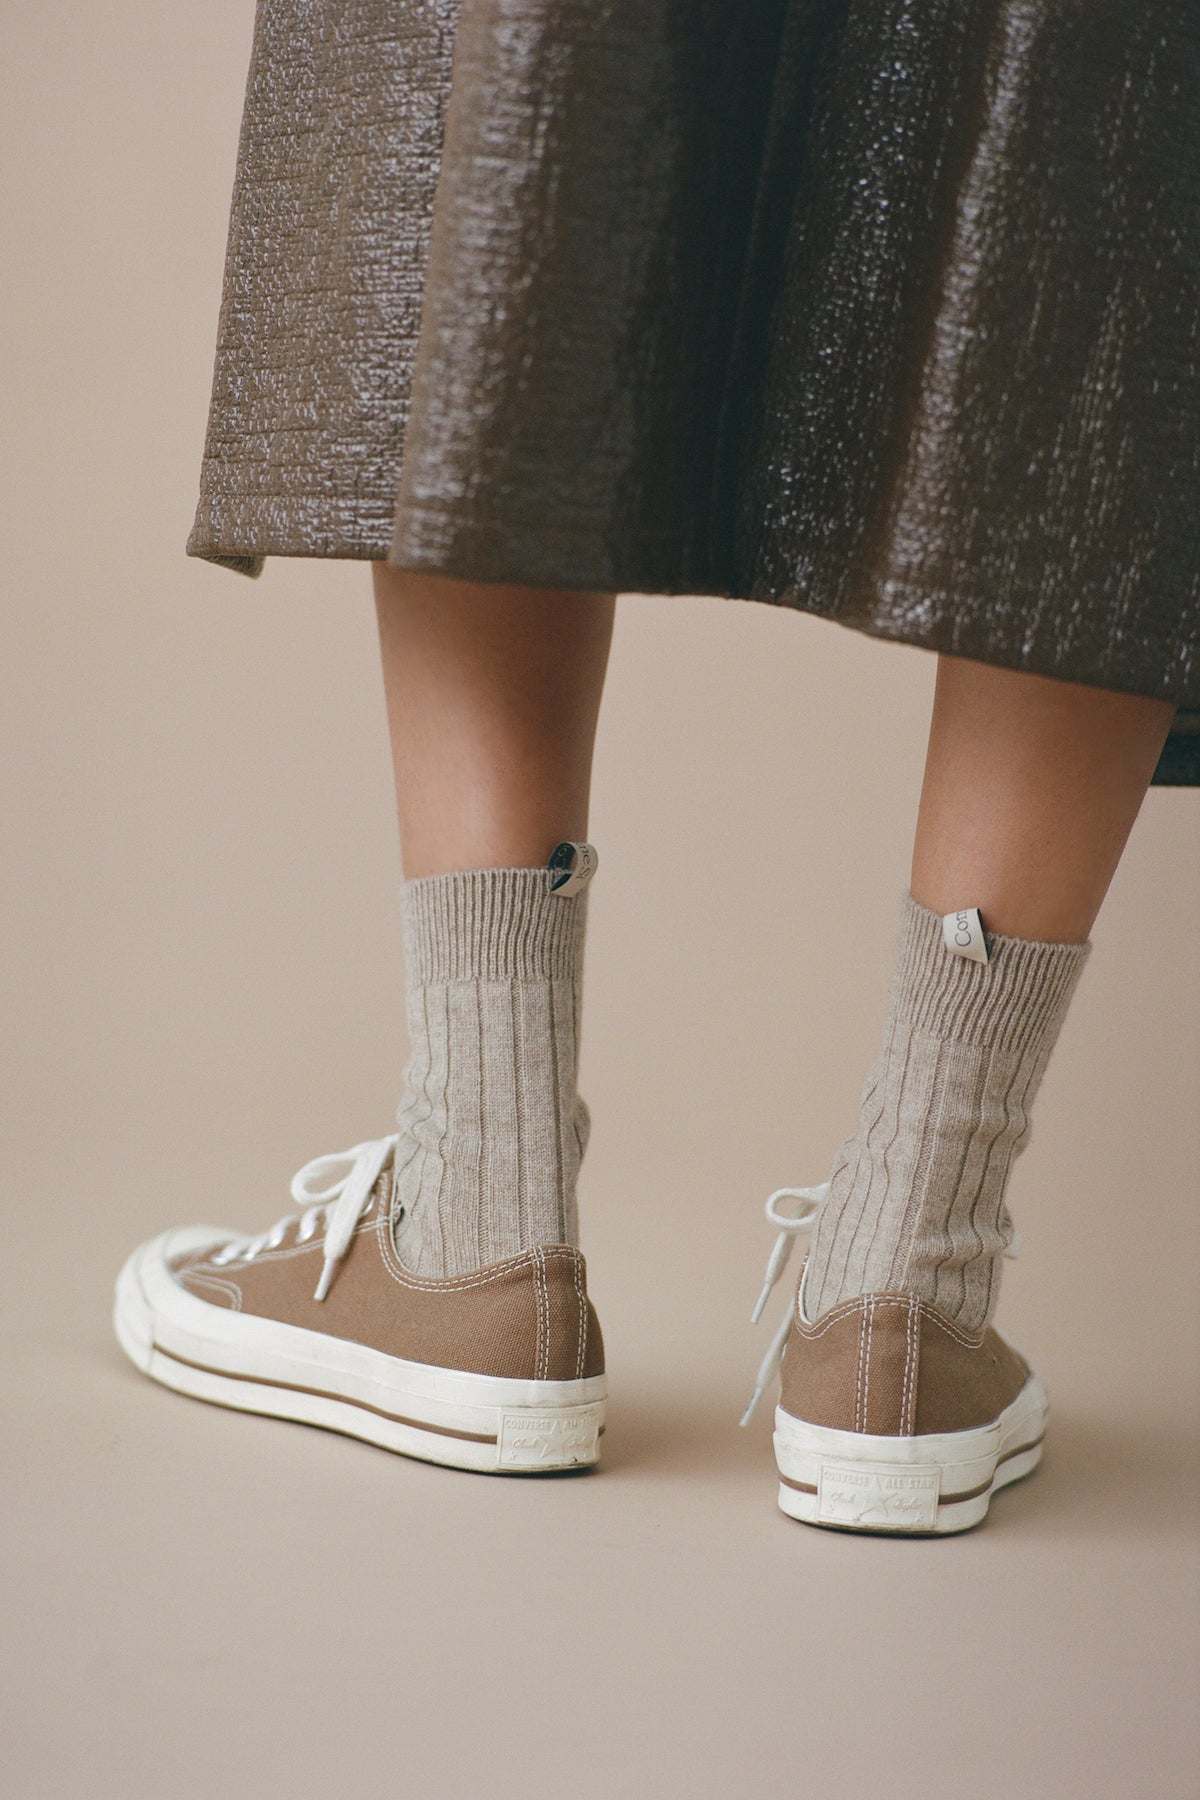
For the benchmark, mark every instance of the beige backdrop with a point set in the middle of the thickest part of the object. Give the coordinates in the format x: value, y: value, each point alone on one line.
x: 203, y: 991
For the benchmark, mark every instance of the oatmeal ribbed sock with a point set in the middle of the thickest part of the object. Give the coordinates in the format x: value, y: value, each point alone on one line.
x: 492, y: 1130
x: 916, y: 1200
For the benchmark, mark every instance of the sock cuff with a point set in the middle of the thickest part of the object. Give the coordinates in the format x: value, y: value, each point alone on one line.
x: 490, y: 925
x: 1018, y: 996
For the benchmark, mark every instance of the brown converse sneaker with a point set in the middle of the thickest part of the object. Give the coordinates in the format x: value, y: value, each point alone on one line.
x: 318, y: 1320
x: 891, y: 1417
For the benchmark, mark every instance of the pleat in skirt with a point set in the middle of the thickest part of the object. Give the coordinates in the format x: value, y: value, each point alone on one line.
x: 885, y: 310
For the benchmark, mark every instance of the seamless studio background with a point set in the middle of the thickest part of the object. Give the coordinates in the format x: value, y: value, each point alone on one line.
x: 203, y: 990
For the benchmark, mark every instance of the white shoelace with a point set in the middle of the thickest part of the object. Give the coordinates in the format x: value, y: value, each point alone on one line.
x: 338, y: 1207
x: 790, y: 1226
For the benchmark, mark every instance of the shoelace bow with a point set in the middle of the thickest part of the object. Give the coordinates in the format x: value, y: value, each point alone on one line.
x: 338, y: 1207
x: 790, y: 1226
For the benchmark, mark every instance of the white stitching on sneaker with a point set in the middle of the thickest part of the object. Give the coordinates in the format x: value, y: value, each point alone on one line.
x: 867, y: 1362
x: 230, y: 1289
x: 909, y: 1394
x: 583, y: 1321
x: 543, y: 1316
x: 790, y: 1226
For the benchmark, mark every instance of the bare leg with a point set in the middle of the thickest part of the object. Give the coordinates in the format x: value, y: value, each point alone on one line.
x: 493, y: 695
x: 1031, y: 789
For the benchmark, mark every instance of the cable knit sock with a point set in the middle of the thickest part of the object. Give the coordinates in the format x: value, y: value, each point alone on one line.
x: 916, y: 1200
x: 492, y: 1131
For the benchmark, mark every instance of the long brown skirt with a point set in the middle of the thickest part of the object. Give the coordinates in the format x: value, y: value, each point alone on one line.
x: 882, y: 309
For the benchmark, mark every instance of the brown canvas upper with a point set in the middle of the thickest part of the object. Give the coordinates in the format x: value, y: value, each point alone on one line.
x: 891, y: 1365
x: 526, y: 1318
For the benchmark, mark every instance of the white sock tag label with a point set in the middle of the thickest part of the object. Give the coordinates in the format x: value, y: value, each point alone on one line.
x: 571, y: 866
x: 963, y: 934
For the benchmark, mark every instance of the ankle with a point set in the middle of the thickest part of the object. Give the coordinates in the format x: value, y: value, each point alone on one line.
x: 492, y: 1127
x: 917, y: 1201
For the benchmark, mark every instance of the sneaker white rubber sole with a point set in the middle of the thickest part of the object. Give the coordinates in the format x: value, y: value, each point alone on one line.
x: 915, y: 1486
x: 417, y: 1409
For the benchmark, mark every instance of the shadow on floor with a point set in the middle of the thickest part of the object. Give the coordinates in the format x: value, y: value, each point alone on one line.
x: 1114, y: 1473
x: 1099, y: 1475
x: 693, y: 1432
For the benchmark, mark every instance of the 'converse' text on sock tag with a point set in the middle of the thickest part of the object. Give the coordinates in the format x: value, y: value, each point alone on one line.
x: 963, y: 934
x: 571, y: 866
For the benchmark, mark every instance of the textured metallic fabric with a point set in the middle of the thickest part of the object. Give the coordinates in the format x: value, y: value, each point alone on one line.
x: 882, y: 309
x: 337, y: 165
